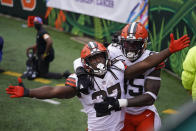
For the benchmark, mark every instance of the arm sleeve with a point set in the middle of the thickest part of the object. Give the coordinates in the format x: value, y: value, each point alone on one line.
x: 188, y: 74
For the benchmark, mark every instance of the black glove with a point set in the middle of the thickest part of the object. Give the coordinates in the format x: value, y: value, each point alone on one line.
x: 113, y: 102
x: 102, y: 109
x: 84, y: 81
x: 106, y: 44
x: 105, y: 107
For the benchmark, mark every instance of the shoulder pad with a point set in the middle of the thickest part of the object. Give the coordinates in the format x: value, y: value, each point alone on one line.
x: 119, y: 64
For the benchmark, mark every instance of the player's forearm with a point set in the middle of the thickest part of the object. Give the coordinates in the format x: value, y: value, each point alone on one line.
x: 143, y: 100
x: 157, y: 58
x: 44, y: 92
x: 139, y: 101
x: 151, y: 61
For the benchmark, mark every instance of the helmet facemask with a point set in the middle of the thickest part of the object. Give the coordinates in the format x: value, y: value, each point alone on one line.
x: 97, y: 63
x: 133, y: 48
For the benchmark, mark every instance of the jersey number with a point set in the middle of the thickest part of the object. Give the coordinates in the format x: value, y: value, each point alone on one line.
x: 140, y: 87
x: 110, y: 90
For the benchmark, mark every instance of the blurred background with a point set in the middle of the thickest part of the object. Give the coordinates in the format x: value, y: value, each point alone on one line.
x: 71, y: 24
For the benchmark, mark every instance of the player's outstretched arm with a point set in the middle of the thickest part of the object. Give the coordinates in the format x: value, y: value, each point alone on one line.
x: 52, y: 92
x: 153, y: 60
x: 44, y: 92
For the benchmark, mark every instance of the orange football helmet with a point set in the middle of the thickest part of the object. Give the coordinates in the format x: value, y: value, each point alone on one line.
x: 134, y: 38
x: 89, y: 53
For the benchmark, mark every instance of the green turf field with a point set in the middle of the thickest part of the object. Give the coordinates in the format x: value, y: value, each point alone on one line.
x: 24, y: 114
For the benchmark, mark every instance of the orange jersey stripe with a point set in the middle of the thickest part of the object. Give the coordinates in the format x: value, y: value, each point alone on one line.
x: 70, y: 81
x: 70, y: 84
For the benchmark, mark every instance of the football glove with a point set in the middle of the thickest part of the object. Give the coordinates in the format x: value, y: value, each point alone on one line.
x: 105, y: 107
x: 84, y: 81
x: 113, y: 102
x: 20, y: 83
x: 18, y: 91
x: 179, y: 44
x: 102, y: 109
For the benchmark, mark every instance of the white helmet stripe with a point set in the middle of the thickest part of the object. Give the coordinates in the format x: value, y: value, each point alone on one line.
x: 92, y: 45
x: 132, y: 29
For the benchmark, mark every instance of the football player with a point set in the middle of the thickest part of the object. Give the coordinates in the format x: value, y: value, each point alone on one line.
x: 142, y: 90
x: 108, y: 82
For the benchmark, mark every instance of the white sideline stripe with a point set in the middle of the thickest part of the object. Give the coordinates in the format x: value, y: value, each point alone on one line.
x: 52, y: 101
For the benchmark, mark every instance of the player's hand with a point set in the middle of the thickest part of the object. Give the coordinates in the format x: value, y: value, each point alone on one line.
x: 84, y: 81
x: 20, y: 83
x: 114, y: 103
x: 179, y: 44
x: 102, y: 109
x: 18, y: 91
x: 105, y: 107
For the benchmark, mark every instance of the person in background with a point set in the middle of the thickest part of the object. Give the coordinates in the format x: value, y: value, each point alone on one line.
x: 1, y: 51
x: 44, y: 52
x: 108, y: 81
x: 189, y: 72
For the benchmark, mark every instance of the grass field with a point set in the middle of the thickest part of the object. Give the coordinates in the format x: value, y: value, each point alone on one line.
x: 32, y: 114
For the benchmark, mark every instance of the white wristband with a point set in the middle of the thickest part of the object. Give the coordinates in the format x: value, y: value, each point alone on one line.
x: 151, y: 94
x: 123, y: 102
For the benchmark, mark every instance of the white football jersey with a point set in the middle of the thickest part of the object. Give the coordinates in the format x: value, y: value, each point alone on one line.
x: 135, y: 86
x: 112, y: 86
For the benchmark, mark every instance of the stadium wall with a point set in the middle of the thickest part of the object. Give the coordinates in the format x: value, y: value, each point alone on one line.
x: 23, y: 8
x: 177, y: 16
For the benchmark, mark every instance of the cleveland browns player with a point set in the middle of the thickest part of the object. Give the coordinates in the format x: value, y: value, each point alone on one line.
x: 142, y: 90
x: 108, y: 82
